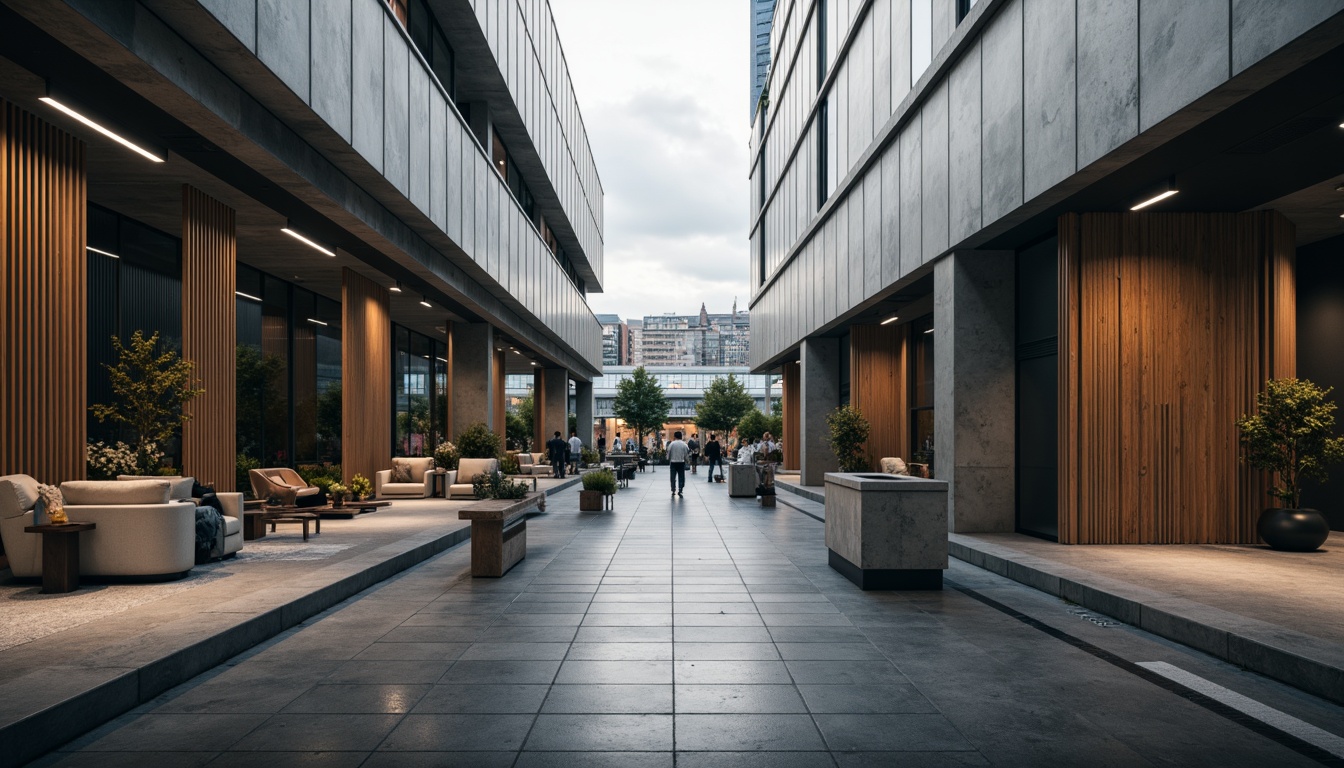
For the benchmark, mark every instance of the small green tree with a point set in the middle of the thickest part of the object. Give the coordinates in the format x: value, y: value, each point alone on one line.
x: 640, y: 402
x: 777, y: 407
x: 725, y: 402
x: 478, y: 441
x: 849, y: 438
x: 152, y: 390
x: 1291, y: 436
x: 526, y: 410
x: 752, y: 426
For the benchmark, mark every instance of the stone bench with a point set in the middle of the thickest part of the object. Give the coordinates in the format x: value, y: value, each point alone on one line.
x: 499, y: 532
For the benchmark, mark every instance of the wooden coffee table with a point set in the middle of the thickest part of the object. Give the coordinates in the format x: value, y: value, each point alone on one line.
x: 60, y: 555
x: 255, y: 521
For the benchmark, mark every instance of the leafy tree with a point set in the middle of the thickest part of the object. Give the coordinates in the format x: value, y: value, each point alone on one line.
x: 777, y: 407
x: 640, y: 402
x: 526, y: 410
x: 152, y: 390
x: 478, y: 442
x: 725, y: 402
x: 849, y: 438
x: 516, y: 431
x: 1291, y: 436
x: 753, y: 426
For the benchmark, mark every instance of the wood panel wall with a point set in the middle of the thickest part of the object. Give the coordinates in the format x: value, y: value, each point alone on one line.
x: 877, y: 387
x: 366, y: 376
x: 793, y: 456
x: 1169, y: 326
x: 497, y: 394
x: 209, y: 337
x: 43, y: 299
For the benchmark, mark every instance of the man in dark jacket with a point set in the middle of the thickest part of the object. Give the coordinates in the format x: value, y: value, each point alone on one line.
x: 557, y: 452
x: 713, y: 456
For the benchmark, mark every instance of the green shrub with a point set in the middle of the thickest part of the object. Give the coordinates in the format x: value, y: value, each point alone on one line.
x: 478, y: 442
x: 323, y: 482
x: 849, y: 438
x: 494, y: 485
x: 589, y: 456
x: 243, y: 464
x: 509, y: 464
x: 312, y: 473
x: 601, y: 480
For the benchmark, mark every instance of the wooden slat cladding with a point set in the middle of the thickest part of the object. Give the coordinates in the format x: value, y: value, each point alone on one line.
x: 877, y: 387
x: 43, y: 299
x: 793, y: 458
x: 366, y: 376
x: 209, y: 336
x: 497, y: 394
x: 1169, y: 326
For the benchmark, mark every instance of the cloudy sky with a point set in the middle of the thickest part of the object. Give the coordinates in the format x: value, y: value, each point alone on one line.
x: 663, y: 87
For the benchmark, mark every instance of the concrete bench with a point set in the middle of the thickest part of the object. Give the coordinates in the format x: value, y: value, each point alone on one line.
x: 499, y: 532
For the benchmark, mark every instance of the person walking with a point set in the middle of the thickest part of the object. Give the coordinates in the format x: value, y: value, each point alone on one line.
x: 602, y: 449
x: 694, y: 445
x: 714, y: 456
x: 575, y: 450
x: 630, y: 444
x: 556, y: 452
x: 677, y: 453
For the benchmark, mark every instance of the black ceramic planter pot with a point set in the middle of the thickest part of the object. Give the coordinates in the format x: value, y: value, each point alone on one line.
x: 1293, y: 530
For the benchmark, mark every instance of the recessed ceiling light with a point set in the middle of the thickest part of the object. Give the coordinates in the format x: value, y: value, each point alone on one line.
x: 247, y: 296
x: 929, y: 331
x: 424, y: 302
x: 1155, y: 199
x: 890, y: 320
x: 91, y: 249
x: 306, y: 241
x: 315, y: 321
x: 95, y: 126
x: 396, y: 288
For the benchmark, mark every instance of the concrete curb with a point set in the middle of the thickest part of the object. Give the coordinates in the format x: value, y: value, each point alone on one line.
x: 799, y: 490
x: 34, y: 735
x: 1302, y: 661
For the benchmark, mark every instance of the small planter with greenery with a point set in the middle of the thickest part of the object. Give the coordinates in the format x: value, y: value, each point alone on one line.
x: 494, y: 485
x: 1291, y: 437
x: 598, y: 489
x: 849, y: 438
x: 446, y: 456
x: 360, y: 487
x: 590, y: 457
x: 337, y: 492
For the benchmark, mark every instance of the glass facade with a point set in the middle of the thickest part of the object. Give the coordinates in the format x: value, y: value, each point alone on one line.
x: 288, y: 372
x: 134, y: 284
x: 921, y: 391
x: 419, y: 392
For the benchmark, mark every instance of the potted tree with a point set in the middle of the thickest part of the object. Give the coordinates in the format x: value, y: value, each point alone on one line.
x: 1291, y: 437
x: 849, y: 438
x: 598, y: 488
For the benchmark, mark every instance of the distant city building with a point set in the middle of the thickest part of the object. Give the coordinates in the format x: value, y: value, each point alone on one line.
x: 615, y: 340
x: 684, y: 387
x: 635, y: 345
x: 762, y: 15
x: 694, y: 340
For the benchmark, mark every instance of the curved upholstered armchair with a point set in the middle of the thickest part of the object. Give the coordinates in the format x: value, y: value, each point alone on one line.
x: 282, y: 482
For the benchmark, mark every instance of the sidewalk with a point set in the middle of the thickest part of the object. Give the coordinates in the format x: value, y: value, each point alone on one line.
x: 1277, y: 613
x: 71, y: 662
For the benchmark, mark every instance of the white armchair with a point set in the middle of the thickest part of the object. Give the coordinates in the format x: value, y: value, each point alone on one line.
x: 231, y: 535
x: 467, y: 470
x: 421, y: 485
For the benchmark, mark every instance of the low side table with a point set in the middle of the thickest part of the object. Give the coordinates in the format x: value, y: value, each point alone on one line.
x: 60, y: 555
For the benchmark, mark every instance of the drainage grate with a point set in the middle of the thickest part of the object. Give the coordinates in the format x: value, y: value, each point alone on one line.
x: 1098, y: 619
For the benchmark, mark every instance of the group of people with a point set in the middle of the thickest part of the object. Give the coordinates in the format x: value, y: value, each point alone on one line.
x: 564, y: 454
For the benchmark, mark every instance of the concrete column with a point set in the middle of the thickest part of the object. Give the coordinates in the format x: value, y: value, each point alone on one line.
x: 472, y: 371
x: 583, y: 411
x: 769, y: 379
x: 820, y: 394
x: 552, y: 397
x: 974, y: 388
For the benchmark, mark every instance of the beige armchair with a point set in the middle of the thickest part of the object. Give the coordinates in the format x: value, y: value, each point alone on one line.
x: 231, y: 535
x: 467, y: 470
x: 421, y: 485
x: 282, y: 482
x: 533, y: 464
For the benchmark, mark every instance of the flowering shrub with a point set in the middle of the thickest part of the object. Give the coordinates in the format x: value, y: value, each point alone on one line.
x: 360, y: 487
x: 105, y: 461
x: 446, y: 455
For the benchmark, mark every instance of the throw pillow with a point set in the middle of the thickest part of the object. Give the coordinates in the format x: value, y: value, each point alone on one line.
x: 199, y: 491
x: 401, y: 471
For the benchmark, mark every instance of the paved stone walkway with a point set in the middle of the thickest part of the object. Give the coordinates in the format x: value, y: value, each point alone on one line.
x: 695, y: 631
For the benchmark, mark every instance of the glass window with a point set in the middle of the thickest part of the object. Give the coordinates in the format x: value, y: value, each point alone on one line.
x: 920, y: 391
x: 420, y: 378
x: 499, y: 155
x: 921, y: 37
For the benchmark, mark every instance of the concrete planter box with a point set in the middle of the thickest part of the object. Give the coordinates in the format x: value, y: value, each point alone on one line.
x: 742, y: 481
x: 887, y: 531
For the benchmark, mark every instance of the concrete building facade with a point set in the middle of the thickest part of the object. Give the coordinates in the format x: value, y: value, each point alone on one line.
x: 354, y: 216
x: 1052, y: 249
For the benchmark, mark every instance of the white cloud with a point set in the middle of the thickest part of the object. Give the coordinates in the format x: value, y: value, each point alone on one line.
x: 663, y: 88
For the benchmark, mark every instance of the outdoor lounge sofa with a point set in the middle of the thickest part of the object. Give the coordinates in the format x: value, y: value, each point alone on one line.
x: 141, y: 531
x: 231, y: 534
x: 421, y: 485
x: 467, y: 470
x: 533, y: 464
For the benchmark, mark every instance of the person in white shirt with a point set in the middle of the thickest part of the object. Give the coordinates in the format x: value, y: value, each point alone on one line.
x: 677, y: 454
x: 575, y: 450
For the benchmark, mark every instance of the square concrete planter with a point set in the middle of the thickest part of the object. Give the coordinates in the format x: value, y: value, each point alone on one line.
x: 887, y: 531
x: 742, y: 481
